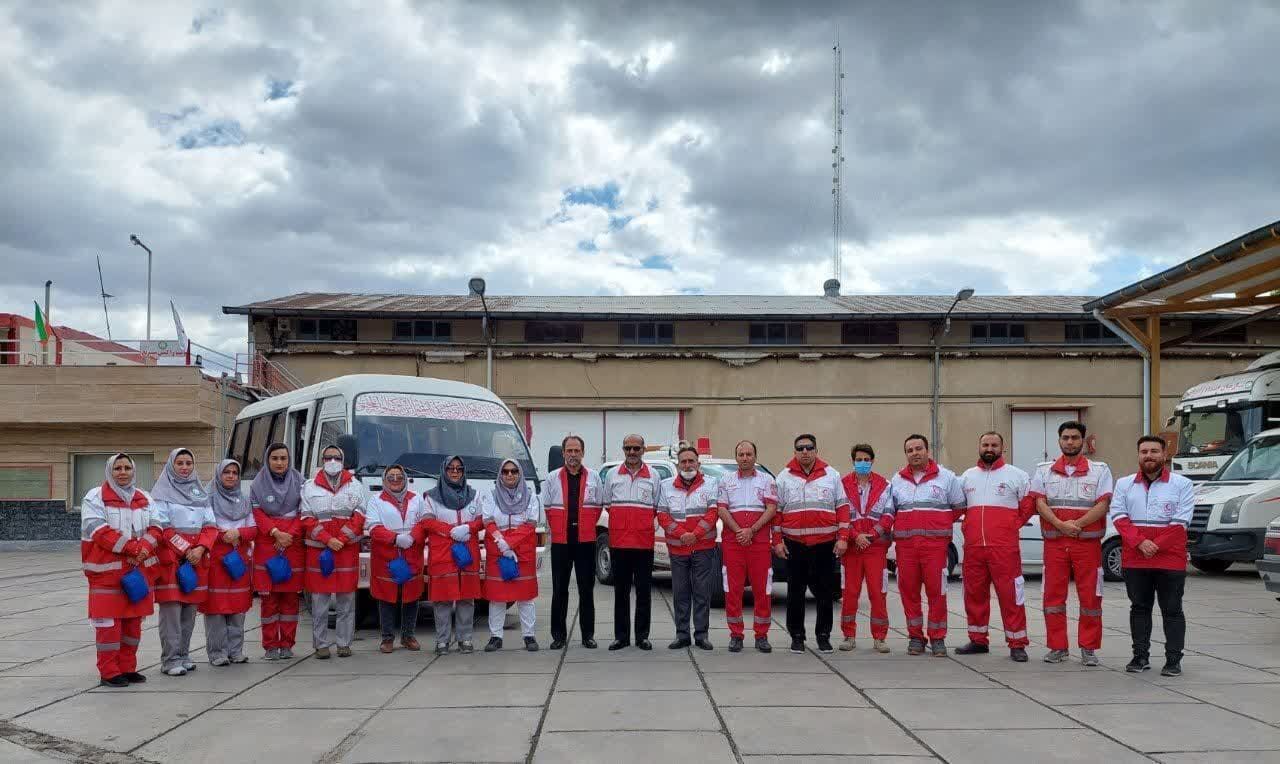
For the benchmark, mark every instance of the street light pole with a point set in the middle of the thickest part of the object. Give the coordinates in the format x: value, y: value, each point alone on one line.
x: 944, y: 326
x: 476, y: 286
x: 138, y: 242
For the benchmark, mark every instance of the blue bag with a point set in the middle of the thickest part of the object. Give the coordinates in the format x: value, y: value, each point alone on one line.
x: 326, y: 562
x: 509, y: 568
x: 279, y: 569
x: 135, y: 585
x: 234, y: 564
x: 400, y: 571
x: 461, y: 555
x: 187, y: 578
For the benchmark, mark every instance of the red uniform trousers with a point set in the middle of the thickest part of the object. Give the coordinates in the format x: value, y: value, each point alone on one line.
x: 1063, y: 560
x: 923, y: 561
x: 118, y: 646
x: 867, y: 566
x: 743, y: 564
x: 999, y: 566
x: 279, y: 620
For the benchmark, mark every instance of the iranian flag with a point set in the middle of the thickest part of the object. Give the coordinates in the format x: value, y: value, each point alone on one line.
x: 42, y: 324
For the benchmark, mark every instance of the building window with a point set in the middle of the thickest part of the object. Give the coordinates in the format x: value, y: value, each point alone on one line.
x: 869, y: 333
x: 777, y: 333
x: 89, y: 470
x: 327, y: 329
x: 422, y: 331
x: 26, y: 481
x: 646, y: 333
x: 1238, y: 335
x: 552, y: 331
x: 997, y: 333
x: 1090, y: 333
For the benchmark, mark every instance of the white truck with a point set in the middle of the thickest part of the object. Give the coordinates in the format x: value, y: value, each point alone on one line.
x: 1233, y: 510
x: 1215, y: 419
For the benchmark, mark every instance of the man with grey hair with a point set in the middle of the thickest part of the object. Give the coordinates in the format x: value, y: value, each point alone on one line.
x: 631, y: 496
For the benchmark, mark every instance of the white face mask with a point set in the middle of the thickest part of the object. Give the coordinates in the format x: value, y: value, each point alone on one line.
x: 332, y: 468
x: 688, y: 475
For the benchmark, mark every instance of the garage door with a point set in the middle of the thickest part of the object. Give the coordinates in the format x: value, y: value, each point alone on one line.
x: 602, y: 429
x: 1035, y: 437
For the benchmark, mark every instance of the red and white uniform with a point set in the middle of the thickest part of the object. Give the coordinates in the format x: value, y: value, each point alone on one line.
x: 1159, y: 512
x: 333, y: 514
x: 183, y: 528
x: 1071, y: 489
x: 927, y: 504
x: 632, y: 501
x: 813, y: 505
x: 871, y: 513
x: 447, y: 582
x: 746, y: 497
x: 112, y: 533
x: 385, y: 518
x: 280, y: 603
x: 520, y: 531
x: 688, y: 510
x: 998, y: 504
x: 554, y: 491
x: 227, y: 596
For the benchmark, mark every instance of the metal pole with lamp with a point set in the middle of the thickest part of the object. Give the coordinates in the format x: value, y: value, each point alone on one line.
x: 138, y: 242
x: 944, y: 325
x: 476, y: 287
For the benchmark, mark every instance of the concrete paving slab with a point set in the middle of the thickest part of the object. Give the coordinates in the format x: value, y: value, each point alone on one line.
x: 81, y: 662
x: 447, y: 734
x: 359, y: 664
x: 346, y: 691
x: 923, y: 672
x: 1236, y: 757
x: 20, y: 694
x: 502, y: 662
x: 1257, y: 655
x: 1261, y: 701
x: 780, y: 661
x: 628, y: 676
x: 631, y: 710
x: 1177, y: 727
x: 1069, y: 745
x: 633, y: 747
x: 812, y: 731
x: 16, y: 754
x: 221, y: 736
x: 1079, y: 687
x: 819, y: 759
x: 478, y: 690
x: 206, y: 678
x: 18, y: 650
x: 1199, y: 669
x: 757, y: 689
x: 576, y: 653
x: 968, y: 709
x: 94, y: 718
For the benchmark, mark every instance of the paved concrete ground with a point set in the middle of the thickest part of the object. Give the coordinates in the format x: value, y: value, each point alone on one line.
x: 583, y: 705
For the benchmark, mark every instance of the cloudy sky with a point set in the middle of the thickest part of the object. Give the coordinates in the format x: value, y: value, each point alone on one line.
x: 611, y: 148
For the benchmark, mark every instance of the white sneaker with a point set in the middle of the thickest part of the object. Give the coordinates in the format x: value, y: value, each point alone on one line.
x: 220, y: 662
x: 176, y: 671
x: 188, y: 665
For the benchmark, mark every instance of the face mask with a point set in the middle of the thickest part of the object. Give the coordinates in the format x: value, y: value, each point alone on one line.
x: 862, y: 468
x: 332, y: 468
x: 688, y: 475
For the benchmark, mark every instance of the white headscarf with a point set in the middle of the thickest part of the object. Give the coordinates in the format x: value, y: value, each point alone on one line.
x: 175, y: 489
x: 229, y: 504
x: 124, y: 492
x: 511, y: 501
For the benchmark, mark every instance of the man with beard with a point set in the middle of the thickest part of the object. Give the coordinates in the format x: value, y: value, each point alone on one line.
x: 996, y: 495
x: 1072, y: 496
x: 632, y: 493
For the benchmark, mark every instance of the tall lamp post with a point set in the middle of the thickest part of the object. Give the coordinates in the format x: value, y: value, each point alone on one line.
x: 476, y: 287
x: 943, y: 327
x: 138, y: 242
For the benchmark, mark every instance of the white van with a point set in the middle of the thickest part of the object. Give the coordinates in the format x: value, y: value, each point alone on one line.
x: 1215, y: 419
x: 383, y: 419
x: 1233, y: 509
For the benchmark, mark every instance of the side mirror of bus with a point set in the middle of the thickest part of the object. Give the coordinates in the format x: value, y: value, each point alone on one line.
x: 350, y: 451
x: 555, y: 458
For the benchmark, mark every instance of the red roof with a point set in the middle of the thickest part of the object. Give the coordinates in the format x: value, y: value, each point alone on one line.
x: 15, y: 320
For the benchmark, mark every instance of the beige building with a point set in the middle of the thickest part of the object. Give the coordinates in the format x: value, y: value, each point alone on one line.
x: 847, y: 368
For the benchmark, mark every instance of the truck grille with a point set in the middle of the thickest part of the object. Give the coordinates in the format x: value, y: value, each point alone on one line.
x: 1200, y: 517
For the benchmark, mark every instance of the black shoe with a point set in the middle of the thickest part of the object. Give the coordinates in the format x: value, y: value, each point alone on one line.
x: 135, y: 678
x: 703, y: 644
x: 797, y: 645
x: 679, y: 644
x: 1017, y: 654
x: 494, y: 645
x: 618, y: 644
x: 975, y: 648
x: 915, y: 646
x: 824, y: 645
x: 735, y: 644
x: 1171, y: 669
x: 557, y: 644
x: 938, y: 648
x: 1137, y: 665
x: 644, y: 644
x: 762, y: 644
x: 118, y: 680
x: 589, y: 643
x: 531, y: 644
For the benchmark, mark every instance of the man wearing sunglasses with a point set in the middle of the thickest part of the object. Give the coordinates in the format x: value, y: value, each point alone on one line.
x: 813, y: 506
x: 631, y: 496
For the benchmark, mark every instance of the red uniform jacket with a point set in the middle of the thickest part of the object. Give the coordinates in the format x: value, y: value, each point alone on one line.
x: 448, y: 583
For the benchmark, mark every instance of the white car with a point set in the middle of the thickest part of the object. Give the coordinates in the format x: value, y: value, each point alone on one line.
x: 1235, y: 507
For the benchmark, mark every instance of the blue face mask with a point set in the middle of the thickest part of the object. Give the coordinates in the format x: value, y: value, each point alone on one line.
x: 862, y: 468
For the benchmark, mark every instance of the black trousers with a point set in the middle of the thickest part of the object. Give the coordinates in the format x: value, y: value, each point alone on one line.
x: 631, y: 567
x: 405, y: 616
x: 574, y: 558
x: 1146, y: 587
x: 813, y: 568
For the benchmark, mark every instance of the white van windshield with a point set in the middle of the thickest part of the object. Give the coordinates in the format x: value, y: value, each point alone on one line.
x: 1260, y: 460
x: 420, y: 431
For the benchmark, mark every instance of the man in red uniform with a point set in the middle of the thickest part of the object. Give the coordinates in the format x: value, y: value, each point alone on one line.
x: 997, y: 506
x: 748, y: 503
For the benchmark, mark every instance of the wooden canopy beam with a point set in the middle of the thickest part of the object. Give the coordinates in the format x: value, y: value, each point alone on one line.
x: 1200, y: 306
x: 1223, y: 283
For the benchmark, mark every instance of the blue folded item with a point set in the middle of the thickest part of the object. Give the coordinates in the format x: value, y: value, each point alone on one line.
x: 509, y: 568
x: 326, y: 562
x: 234, y: 564
x: 461, y: 555
x: 135, y: 585
x: 400, y: 571
x: 188, y: 580
x: 279, y: 569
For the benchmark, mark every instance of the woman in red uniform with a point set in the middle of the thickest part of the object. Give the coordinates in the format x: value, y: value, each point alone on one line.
x: 117, y: 535
x: 275, y: 495
x: 229, y: 598
x: 393, y: 522
x: 453, y: 515
x: 511, y: 513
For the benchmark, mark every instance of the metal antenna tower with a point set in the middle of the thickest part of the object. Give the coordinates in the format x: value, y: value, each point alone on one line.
x: 837, y: 154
